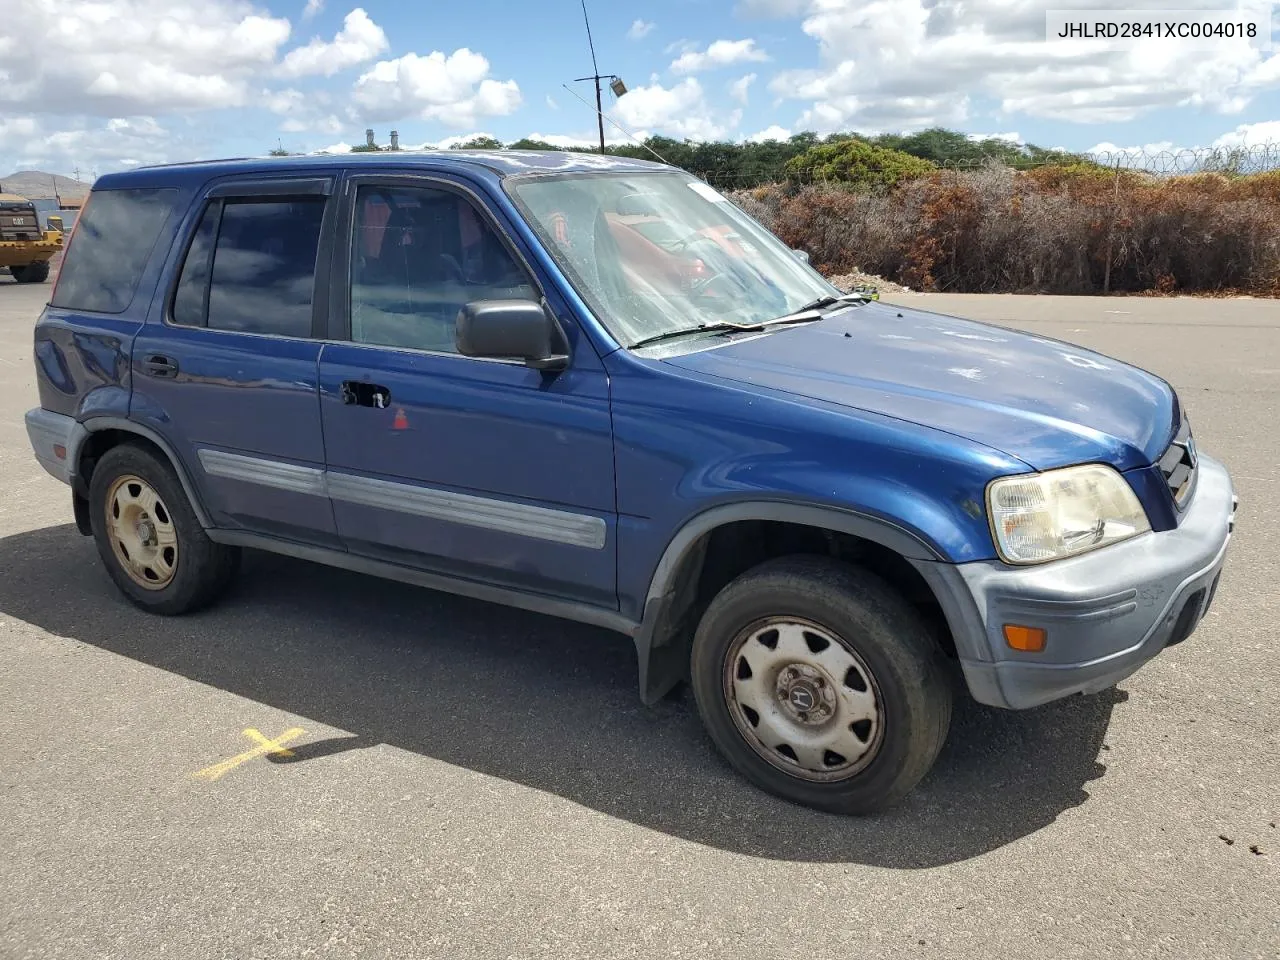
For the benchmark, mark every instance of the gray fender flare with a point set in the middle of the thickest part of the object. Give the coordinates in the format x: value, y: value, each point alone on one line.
x: 97, y: 424
x: 660, y: 649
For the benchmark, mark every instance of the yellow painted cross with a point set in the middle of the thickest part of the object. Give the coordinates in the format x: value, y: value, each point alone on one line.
x: 264, y: 748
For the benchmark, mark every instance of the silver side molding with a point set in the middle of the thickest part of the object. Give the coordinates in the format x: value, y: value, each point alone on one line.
x: 504, y: 516
x: 265, y: 473
x: 521, y: 519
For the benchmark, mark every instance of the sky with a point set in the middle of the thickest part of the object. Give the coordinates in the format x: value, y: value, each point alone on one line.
x: 90, y: 86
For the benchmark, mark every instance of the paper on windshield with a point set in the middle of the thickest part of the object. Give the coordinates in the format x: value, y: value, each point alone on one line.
x: 707, y: 193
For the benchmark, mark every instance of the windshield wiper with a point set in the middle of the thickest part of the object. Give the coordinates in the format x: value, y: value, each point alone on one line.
x: 805, y: 316
x: 830, y: 301
x: 690, y: 331
x: 814, y: 311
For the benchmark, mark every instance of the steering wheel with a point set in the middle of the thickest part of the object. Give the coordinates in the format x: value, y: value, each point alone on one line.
x: 700, y: 288
x: 679, y: 246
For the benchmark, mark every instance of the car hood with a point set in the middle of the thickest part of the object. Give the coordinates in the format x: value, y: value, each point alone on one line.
x: 1046, y: 402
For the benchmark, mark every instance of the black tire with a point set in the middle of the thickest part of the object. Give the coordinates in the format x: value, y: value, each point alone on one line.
x: 203, y: 569
x: 869, y: 617
x: 31, y: 273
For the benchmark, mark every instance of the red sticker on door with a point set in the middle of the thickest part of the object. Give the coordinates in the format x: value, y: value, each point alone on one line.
x: 401, y: 422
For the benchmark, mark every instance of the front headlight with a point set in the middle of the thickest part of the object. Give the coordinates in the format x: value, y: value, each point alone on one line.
x: 1061, y: 513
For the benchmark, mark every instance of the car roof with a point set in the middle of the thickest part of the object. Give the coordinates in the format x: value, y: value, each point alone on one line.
x: 496, y: 163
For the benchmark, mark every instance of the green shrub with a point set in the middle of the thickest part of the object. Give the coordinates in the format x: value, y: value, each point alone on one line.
x: 479, y: 143
x: 858, y: 164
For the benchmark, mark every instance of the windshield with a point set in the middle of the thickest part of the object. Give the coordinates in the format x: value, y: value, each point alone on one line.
x: 662, y: 252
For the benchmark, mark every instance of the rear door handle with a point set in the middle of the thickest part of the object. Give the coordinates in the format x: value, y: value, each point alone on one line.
x: 158, y: 366
x: 360, y: 394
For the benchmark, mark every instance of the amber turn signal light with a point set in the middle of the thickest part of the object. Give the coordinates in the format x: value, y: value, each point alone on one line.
x: 1026, y: 639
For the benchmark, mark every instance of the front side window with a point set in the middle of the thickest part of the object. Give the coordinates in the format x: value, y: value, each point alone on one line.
x: 419, y: 255
x: 251, y: 267
x: 658, y: 252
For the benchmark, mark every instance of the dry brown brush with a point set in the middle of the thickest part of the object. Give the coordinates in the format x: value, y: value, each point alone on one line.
x: 1081, y: 229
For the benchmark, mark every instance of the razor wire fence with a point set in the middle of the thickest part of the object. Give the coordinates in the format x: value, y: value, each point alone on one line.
x: 1156, y: 162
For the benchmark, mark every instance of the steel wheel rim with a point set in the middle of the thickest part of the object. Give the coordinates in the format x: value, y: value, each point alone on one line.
x: 803, y: 699
x: 143, y: 537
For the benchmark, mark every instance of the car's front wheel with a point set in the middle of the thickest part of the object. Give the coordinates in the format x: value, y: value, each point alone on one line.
x: 821, y: 684
x: 150, y: 539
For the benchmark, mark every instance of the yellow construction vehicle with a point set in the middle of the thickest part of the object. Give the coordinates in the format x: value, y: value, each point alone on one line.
x: 25, y: 247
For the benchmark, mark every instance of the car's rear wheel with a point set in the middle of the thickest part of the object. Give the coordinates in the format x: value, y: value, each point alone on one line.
x: 149, y: 537
x: 31, y: 273
x: 820, y: 684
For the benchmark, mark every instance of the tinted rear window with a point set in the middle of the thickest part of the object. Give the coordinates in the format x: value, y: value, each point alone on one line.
x: 110, y: 249
x: 189, y: 302
x: 264, y: 266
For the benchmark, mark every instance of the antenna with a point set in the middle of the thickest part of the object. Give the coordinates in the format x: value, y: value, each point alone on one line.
x: 604, y: 116
x: 619, y: 88
x: 590, y: 42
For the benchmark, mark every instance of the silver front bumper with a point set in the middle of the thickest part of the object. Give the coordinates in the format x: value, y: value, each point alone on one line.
x: 1106, y: 613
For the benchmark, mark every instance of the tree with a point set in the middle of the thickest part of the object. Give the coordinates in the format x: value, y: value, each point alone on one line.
x: 479, y: 143
x: 524, y: 143
x: 857, y: 163
x: 950, y: 148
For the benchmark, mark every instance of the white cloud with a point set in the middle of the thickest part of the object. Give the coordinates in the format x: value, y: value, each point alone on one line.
x: 589, y: 140
x: 90, y: 146
x: 900, y: 64
x: 448, y: 143
x: 121, y: 57
x: 283, y: 101
x: 640, y: 29
x: 1169, y: 157
x: 1163, y: 156
x: 1247, y: 134
x: 359, y: 41
x: 771, y: 133
x: 453, y: 89
x: 552, y: 103
x: 681, y: 110
x: 328, y: 124
x: 721, y: 53
x: 771, y: 8
x: 1014, y: 138
x: 1111, y: 149
x: 740, y: 89
x: 312, y: 8
x: 14, y: 130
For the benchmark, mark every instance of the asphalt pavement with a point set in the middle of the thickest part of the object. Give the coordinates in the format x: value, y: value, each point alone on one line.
x: 463, y: 781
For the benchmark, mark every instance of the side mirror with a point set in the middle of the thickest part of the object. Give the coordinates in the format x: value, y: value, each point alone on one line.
x: 802, y: 255
x: 512, y: 330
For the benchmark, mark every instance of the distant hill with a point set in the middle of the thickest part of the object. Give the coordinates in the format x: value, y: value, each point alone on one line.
x: 34, y: 184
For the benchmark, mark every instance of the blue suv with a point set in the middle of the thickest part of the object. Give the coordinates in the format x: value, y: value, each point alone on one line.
x: 595, y: 388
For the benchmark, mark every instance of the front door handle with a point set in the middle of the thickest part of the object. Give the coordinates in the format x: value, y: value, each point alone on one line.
x: 158, y: 366
x: 360, y: 394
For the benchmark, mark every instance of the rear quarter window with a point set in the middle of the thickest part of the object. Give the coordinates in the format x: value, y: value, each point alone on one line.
x: 109, y: 251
